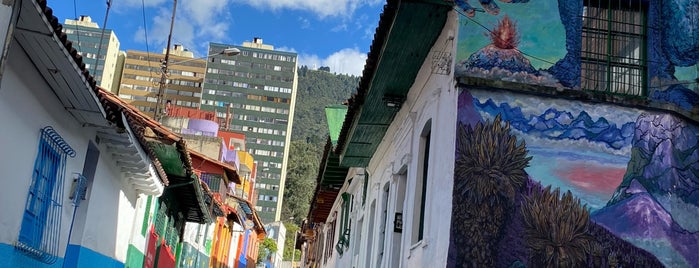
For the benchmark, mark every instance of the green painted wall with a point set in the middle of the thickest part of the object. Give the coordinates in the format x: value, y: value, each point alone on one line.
x: 134, y: 258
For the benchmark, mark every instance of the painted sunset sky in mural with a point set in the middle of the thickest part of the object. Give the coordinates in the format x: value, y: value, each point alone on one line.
x: 574, y: 147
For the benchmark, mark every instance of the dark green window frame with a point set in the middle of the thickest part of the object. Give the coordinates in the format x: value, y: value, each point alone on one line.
x: 613, y: 49
x: 343, y: 241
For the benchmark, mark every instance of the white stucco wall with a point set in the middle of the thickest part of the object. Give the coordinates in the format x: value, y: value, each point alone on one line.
x: 110, y: 211
x: 5, y: 16
x: 394, y: 168
x: 27, y: 104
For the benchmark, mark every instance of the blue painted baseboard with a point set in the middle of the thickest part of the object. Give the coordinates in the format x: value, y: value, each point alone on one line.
x: 13, y: 258
x: 78, y: 256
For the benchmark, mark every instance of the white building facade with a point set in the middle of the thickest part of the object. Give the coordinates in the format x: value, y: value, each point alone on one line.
x: 393, y: 207
x: 69, y: 198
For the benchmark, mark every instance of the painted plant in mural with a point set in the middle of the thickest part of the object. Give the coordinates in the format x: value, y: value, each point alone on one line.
x: 490, y: 170
x: 502, y: 218
x: 563, y: 242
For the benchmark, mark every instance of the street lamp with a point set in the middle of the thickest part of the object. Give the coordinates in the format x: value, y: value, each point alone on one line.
x: 230, y: 51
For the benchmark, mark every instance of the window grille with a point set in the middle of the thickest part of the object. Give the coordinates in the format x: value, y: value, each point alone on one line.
x: 161, y: 219
x: 39, y: 235
x: 215, y: 183
x: 614, y: 47
x: 344, y: 236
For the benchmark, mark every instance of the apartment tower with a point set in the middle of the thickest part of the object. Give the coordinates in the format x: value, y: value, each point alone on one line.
x: 86, y: 36
x: 255, y: 91
x: 142, y: 73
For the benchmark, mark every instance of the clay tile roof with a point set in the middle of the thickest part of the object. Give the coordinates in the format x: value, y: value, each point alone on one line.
x: 231, y: 171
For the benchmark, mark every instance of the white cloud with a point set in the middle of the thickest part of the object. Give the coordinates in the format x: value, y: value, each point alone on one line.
x: 323, y: 8
x: 124, y: 4
x: 195, y: 21
x: 346, y: 61
x: 203, y: 12
x: 286, y: 49
x: 305, y: 23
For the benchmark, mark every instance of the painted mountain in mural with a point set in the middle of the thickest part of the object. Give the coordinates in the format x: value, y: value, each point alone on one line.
x: 561, y: 125
x: 491, y: 57
x: 642, y: 221
x: 658, y: 200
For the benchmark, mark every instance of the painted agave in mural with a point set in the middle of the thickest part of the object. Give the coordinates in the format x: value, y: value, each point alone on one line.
x: 556, y: 229
x: 489, y: 172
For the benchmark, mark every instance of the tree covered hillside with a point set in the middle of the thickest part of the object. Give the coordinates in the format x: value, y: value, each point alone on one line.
x: 317, y: 89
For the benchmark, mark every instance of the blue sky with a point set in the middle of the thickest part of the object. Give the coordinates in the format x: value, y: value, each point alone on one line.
x: 335, y: 33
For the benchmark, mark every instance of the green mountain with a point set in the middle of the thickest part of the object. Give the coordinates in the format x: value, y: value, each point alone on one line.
x: 317, y: 89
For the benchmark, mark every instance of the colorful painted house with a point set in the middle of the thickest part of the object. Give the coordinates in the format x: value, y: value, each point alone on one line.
x: 501, y: 124
x: 233, y: 237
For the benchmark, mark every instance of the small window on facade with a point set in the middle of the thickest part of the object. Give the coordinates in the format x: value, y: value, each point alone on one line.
x: 418, y: 222
x: 613, y: 57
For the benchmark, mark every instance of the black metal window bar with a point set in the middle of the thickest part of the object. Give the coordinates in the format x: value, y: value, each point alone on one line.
x: 613, y: 54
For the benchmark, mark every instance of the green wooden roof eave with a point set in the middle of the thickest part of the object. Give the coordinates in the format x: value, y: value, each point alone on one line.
x: 335, y: 115
x: 394, y: 75
x: 169, y: 158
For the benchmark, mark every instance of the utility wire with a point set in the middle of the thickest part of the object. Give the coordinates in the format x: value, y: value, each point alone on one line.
x: 99, y: 49
x: 77, y: 31
x: 145, y: 33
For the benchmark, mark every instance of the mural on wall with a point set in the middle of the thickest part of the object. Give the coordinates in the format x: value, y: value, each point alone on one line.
x: 502, y: 216
x: 634, y: 172
x: 558, y: 44
x: 590, y: 148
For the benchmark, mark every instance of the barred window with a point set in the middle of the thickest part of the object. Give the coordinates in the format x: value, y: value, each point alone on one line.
x: 613, y: 47
x: 39, y: 235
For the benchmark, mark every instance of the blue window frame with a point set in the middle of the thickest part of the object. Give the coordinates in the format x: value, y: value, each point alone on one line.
x: 41, y: 224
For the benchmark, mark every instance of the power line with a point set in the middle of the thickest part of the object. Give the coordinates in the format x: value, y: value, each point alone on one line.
x: 145, y: 33
x: 99, y: 48
x: 77, y: 31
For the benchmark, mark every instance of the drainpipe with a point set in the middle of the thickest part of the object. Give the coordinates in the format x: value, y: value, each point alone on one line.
x: 77, y: 194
